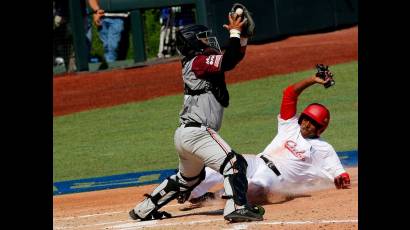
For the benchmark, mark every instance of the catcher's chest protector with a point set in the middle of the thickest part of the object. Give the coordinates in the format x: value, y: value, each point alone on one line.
x: 215, y: 83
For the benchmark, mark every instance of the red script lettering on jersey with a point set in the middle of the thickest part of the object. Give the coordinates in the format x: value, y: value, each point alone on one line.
x: 291, y: 146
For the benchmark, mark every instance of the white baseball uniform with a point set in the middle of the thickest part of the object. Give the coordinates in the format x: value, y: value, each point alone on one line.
x: 300, y: 161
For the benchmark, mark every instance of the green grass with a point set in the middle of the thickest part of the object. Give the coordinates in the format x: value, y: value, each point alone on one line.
x: 255, y: 106
x: 139, y: 136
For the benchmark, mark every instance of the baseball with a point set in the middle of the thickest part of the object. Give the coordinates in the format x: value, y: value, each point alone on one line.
x: 239, y: 11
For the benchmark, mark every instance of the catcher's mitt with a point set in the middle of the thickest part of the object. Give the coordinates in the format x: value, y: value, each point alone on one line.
x: 324, y: 73
x: 248, y: 29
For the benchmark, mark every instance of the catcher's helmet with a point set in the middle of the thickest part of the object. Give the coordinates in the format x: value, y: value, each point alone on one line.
x: 194, y: 38
x: 319, y: 114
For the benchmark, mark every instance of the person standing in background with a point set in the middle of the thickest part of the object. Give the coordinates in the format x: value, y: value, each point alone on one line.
x: 110, y: 29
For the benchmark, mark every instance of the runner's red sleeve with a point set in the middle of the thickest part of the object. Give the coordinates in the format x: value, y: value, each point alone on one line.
x: 289, y: 103
x: 203, y: 65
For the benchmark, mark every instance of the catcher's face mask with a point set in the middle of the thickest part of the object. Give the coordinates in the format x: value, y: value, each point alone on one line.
x: 209, y: 40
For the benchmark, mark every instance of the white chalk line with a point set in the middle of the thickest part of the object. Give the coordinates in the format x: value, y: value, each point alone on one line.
x: 142, y: 224
x: 90, y: 225
x: 138, y: 225
x: 86, y: 216
x: 103, y: 214
x: 127, y: 225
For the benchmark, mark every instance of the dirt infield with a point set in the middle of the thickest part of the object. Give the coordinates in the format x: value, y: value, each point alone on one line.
x: 108, y: 209
x: 323, y: 209
x: 84, y: 91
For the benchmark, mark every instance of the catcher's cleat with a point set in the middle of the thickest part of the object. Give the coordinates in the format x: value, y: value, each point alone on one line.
x: 155, y: 215
x: 198, y: 202
x: 254, y: 213
x: 257, y: 208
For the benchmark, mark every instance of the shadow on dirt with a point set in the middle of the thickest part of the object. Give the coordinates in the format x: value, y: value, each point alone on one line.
x: 274, y: 199
x: 207, y: 213
x: 263, y: 201
x: 284, y: 200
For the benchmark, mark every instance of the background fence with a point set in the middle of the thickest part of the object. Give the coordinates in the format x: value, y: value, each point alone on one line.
x: 274, y: 20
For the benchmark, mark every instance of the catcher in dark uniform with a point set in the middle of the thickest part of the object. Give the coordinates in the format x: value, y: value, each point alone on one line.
x: 196, y: 139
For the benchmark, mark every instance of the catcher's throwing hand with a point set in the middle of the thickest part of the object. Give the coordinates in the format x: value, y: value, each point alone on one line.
x: 342, y: 181
x: 240, y: 11
x: 234, y: 22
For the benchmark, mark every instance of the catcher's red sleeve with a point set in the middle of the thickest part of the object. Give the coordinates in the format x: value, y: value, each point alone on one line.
x: 203, y: 65
x: 289, y: 103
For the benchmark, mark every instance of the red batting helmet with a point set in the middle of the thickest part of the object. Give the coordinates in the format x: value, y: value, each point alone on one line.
x: 319, y: 113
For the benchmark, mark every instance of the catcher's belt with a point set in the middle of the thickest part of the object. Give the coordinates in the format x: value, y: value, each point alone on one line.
x: 193, y: 124
x: 192, y: 92
x: 217, y: 88
x: 271, y: 165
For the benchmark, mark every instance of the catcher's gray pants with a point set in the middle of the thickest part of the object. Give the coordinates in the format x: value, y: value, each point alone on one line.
x: 197, y: 147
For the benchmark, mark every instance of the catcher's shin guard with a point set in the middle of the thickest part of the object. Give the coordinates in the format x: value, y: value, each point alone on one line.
x: 193, y: 181
x: 235, y: 182
x: 175, y: 186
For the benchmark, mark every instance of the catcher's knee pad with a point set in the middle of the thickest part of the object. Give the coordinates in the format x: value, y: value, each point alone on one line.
x: 234, y: 168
